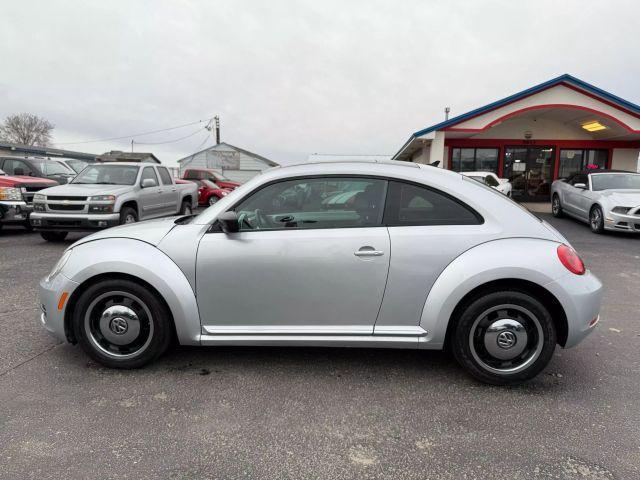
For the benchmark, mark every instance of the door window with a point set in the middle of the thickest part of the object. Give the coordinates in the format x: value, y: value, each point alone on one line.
x: 165, y: 176
x: 332, y: 202
x: 10, y: 167
x: 149, y: 172
x: 409, y: 204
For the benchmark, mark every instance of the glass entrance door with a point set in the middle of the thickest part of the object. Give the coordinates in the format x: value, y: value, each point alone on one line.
x: 530, y: 171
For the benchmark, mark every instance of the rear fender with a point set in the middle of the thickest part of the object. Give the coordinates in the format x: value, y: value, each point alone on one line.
x: 529, y: 259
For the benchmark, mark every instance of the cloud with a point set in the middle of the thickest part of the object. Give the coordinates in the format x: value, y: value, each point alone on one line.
x: 293, y: 78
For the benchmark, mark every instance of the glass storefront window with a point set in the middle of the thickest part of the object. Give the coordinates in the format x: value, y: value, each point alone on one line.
x: 475, y: 160
x: 575, y: 160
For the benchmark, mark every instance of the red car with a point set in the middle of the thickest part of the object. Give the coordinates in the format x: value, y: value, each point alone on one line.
x: 208, y: 192
x: 209, y: 174
x: 16, y: 197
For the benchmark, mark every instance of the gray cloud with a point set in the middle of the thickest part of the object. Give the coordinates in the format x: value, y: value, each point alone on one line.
x: 292, y: 78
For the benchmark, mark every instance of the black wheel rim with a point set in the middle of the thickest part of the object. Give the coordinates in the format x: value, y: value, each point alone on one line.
x: 506, y: 339
x: 119, y: 324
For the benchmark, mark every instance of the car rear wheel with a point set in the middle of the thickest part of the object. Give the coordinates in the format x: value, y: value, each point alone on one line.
x: 121, y: 324
x: 54, y: 236
x: 596, y: 220
x: 556, y: 206
x: 504, y: 337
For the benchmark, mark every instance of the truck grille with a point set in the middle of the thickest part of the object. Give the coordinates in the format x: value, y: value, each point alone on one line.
x: 62, y: 197
x: 55, y: 206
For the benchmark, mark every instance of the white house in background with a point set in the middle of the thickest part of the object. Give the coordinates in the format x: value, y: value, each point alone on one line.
x: 543, y: 133
x: 234, y: 163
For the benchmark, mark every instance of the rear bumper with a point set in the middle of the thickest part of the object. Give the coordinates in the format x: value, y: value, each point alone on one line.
x: 51, y: 316
x: 73, y: 222
x: 581, y: 298
x: 14, y: 211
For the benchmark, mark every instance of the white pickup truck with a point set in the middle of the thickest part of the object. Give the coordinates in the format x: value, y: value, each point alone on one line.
x: 108, y: 194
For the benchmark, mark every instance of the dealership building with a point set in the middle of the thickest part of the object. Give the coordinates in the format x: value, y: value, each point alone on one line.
x: 533, y: 137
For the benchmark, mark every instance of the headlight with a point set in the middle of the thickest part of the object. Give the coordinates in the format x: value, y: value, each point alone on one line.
x: 224, y: 194
x: 38, y: 197
x: 622, y: 210
x: 60, y: 265
x: 10, y: 193
x: 103, y: 198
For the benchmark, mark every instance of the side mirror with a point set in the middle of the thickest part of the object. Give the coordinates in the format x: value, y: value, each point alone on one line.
x: 148, y: 183
x: 580, y: 185
x: 229, y: 222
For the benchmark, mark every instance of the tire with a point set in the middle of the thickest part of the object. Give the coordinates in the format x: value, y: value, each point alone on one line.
x: 121, y: 324
x: 54, y: 236
x: 28, y: 226
x: 213, y: 200
x: 185, y: 208
x: 128, y: 215
x: 556, y: 206
x: 504, y: 337
x: 596, y: 219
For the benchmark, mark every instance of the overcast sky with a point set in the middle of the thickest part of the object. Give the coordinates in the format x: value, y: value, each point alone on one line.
x: 290, y: 78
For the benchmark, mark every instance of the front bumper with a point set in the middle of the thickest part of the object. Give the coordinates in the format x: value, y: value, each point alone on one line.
x: 52, y: 316
x: 620, y: 222
x: 581, y: 298
x: 73, y: 222
x: 14, y: 211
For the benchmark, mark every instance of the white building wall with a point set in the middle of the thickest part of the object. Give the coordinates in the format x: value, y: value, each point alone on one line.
x: 625, y: 159
x: 437, y: 149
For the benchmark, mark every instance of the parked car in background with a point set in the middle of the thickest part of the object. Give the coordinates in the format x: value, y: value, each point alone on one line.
x: 108, y: 194
x: 36, y: 167
x: 208, y: 192
x: 503, y: 185
x: 16, y: 197
x: 420, y: 258
x: 606, y: 199
x: 211, y: 175
x: 75, y: 165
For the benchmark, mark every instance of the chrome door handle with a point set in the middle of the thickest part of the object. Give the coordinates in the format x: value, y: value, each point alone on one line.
x: 368, y: 252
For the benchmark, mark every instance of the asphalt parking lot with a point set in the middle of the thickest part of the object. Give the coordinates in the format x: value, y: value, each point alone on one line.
x: 317, y: 413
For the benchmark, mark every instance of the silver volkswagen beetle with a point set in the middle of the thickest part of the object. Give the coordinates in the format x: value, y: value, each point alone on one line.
x: 606, y: 199
x: 357, y: 254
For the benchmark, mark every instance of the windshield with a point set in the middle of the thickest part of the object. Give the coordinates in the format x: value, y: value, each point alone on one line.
x: 209, y: 184
x: 108, y: 175
x: 615, y: 181
x: 49, y: 167
x: 216, y: 176
x: 77, y: 165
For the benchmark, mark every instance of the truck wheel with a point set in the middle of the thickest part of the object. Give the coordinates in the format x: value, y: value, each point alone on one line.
x: 186, y: 209
x: 122, y: 324
x: 54, y: 236
x: 128, y: 215
x: 504, y: 337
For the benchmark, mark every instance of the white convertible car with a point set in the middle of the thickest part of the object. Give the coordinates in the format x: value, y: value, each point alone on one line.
x: 503, y: 185
x: 606, y: 199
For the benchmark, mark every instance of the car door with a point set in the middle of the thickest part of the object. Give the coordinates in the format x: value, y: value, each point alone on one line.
x: 311, y: 257
x: 574, y: 197
x: 150, y: 197
x: 428, y: 229
x: 169, y: 192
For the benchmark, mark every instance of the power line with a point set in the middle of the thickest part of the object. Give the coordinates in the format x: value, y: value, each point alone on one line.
x: 170, y: 141
x: 133, y: 135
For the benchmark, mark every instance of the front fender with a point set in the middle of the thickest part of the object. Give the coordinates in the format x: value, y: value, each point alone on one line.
x: 534, y: 260
x: 144, y: 261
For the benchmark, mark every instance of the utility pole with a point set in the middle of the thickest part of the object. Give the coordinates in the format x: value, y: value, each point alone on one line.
x: 217, y: 121
x: 132, y: 145
x: 446, y: 113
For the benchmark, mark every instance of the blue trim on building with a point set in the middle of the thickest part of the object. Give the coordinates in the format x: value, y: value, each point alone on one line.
x: 516, y: 96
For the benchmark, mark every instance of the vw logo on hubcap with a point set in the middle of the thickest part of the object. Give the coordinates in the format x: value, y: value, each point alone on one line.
x: 119, y: 326
x: 506, y: 340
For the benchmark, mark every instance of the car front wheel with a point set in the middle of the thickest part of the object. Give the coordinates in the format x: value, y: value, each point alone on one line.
x: 121, y: 324
x: 54, y: 236
x: 596, y: 220
x: 556, y: 206
x: 504, y: 337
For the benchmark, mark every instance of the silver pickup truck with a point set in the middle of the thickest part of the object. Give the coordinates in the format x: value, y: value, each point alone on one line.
x: 108, y: 194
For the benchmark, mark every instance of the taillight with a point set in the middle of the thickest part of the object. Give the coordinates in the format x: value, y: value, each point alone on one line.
x: 570, y: 259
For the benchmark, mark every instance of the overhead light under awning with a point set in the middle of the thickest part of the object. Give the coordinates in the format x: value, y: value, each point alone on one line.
x: 594, y: 126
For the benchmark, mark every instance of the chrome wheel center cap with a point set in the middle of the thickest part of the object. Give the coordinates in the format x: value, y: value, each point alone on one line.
x: 119, y: 326
x: 505, y: 339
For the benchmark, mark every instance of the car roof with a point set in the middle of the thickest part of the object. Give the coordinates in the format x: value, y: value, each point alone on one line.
x: 597, y: 171
x: 130, y: 164
x: 479, y: 174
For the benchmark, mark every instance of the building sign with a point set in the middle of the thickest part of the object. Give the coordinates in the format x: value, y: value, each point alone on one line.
x: 223, y: 160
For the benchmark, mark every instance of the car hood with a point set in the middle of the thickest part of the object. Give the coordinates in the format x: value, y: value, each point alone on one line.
x: 150, y: 231
x: 623, y: 198
x: 10, y: 180
x: 87, y: 190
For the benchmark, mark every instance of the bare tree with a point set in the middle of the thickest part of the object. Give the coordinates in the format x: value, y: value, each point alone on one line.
x: 26, y: 129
